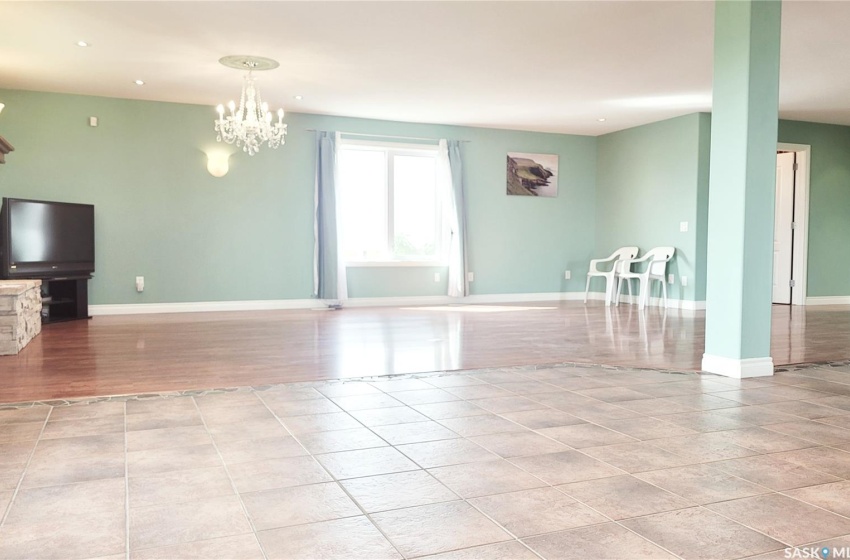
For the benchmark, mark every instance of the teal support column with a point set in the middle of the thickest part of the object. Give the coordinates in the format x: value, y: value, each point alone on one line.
x: 742, y: 185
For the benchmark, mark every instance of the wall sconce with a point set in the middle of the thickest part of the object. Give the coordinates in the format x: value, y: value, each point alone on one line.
x: 5, y: 147
x: 218, y: 164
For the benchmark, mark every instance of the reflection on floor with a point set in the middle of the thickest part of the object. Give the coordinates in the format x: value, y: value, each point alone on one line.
x: 152, y: 353
x: 569, y: 462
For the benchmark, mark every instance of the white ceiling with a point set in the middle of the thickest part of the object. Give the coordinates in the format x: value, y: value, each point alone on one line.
x: 545, y: 66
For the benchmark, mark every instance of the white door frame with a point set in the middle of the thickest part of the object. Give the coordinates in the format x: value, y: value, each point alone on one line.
x: 801, y: 219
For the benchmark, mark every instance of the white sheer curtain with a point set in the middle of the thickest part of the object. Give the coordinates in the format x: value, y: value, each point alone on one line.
x: 450, y: 178
x: 329, y: 275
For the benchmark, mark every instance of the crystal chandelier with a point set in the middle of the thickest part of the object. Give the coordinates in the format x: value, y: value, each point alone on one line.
x: 250, y: 124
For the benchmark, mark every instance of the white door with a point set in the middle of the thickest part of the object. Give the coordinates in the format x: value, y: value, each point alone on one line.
x: 782, y: 228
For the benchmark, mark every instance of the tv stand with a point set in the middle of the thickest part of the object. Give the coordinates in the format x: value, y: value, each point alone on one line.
x: 64, y: 299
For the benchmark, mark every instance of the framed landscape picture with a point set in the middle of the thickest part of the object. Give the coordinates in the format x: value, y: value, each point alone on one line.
x: 532, y: 174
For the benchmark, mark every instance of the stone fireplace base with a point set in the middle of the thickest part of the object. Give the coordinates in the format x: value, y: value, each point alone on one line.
x: 20, y: 314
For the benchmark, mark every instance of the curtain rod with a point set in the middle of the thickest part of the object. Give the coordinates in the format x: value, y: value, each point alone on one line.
x: 384, y: 136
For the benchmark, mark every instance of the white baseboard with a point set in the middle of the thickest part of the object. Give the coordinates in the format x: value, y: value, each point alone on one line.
x: 446, y: 300
x: 522, y: 298
x: 828, y: 300
x: 738, y: 368
x: 277, y: 304
x: 201, y: 306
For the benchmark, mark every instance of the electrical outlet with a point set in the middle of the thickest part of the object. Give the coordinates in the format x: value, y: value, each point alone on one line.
x: 436, y: 277
x: 140, y: 284
x: 671, y: 279
x: 470, y: 277
x: 567, y: 275
x: 684, y: 280
x: 683, y: 227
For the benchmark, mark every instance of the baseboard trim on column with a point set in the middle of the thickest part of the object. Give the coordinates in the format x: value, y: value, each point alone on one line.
x: 738, y: 368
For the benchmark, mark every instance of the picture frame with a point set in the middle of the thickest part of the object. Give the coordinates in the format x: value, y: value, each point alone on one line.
x: 532, y: 174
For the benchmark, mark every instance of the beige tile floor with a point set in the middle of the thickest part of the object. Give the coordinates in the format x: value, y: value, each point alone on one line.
x: 564, y: 462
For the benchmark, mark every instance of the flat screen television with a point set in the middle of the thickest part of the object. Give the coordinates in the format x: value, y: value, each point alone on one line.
x: 43, y: 239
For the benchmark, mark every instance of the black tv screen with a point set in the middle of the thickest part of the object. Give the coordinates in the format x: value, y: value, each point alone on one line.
x: 47, y: 239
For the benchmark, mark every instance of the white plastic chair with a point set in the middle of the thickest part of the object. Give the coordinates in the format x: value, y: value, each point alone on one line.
x: 656, y: 269
x: 617, y: 257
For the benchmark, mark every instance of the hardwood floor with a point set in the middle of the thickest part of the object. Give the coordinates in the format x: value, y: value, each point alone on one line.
x: 151, y: 353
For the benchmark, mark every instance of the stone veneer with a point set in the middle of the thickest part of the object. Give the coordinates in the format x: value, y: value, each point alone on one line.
x: 20, y: 314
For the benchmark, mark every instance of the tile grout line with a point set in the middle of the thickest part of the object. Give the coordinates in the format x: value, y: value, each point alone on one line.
x: 606, y: 516
x: 425, y: 470
x: 630, y: 474
x: 24, y: 472
x: 333, y: 477
x: 833, y: 445
x: 126, y: 488
x: 584, y: 420
x: 745, y: 525
x: 802, y: 545
x: 772, y: 492
x: 230, y: 479
x: 498, y: 415
x: 704, y: 506
x: 546, y: 484
x: 802, y: 501
x: 545, y: 407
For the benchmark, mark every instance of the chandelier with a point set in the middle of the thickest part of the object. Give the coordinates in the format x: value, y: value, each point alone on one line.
x: 250, y: 124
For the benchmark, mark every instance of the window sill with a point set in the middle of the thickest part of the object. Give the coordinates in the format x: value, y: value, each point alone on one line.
x: 394, y: 264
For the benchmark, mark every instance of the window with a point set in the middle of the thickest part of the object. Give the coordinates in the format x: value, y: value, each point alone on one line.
x: 389, y: 204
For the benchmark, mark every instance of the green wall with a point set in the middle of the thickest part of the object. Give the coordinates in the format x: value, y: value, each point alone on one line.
x: 652, y: 167
x: 249, y: 235
x: 702, y: 204
x: 648, y: 181
x: 829, y: 203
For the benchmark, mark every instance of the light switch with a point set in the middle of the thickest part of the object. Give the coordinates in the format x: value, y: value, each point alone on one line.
x: 683, y: 227
x: 92, y: 121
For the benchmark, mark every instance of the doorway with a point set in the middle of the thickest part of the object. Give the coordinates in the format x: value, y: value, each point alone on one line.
x: 783, y: 228
x: 791, y: 212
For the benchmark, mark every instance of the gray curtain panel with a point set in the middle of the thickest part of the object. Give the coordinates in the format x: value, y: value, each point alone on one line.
x: 325, y: 269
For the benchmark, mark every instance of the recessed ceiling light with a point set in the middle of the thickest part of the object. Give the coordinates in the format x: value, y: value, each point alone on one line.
x: 82, y: 44
x: 601, y: 120
x: 299, y: 97
x: 139, y: 82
